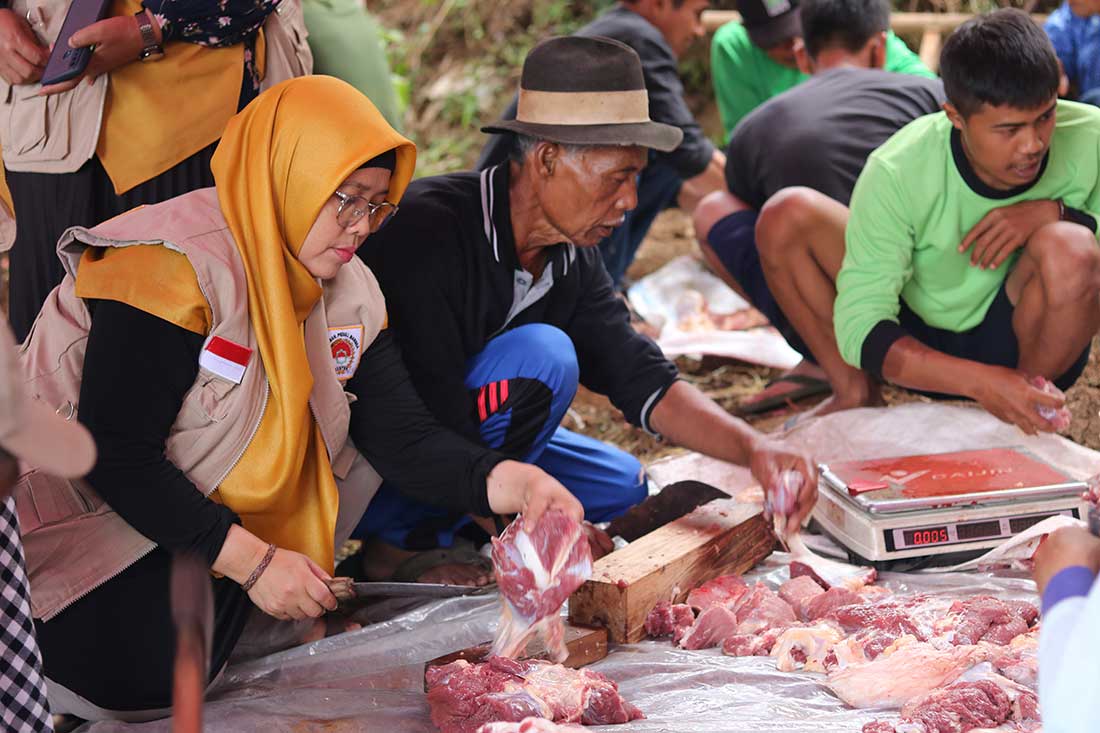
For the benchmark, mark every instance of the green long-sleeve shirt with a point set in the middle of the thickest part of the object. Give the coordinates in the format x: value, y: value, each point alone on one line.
x: 916, y: 200
x: 744, y: 77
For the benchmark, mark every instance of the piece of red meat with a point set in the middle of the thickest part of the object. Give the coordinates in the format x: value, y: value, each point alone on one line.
x: 710, y: 628
x: 761, y: 609
x: 529, y: 725
x: 961, y: 707
x: 536, y: 573
x: 878, y: 726
x: 822, y: 605
x: 798, y: 592
x: 989, y: 619
x: 752, y: 645
x: 465, y: 696
x: 957, y: 708
x: 721, y: 591
x: 669, y: 619
x: 882, y: 616
x: 1060, y: 418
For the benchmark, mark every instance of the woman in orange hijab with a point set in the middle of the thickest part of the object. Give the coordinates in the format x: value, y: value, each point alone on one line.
x: 228, y: 352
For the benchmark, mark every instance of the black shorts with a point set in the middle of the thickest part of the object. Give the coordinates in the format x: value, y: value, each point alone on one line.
x: 733, y: 239
x: 993, y: 341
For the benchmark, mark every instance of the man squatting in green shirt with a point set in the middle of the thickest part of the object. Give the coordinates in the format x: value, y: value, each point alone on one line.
x: 757, y: 59
x: 970, y: 259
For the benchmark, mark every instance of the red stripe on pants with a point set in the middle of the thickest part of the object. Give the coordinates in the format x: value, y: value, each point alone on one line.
x: 493, y: 404
x: 503, y: 391
x: 481, y: 405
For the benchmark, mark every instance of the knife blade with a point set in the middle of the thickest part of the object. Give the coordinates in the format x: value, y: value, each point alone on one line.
x: 348, y: 591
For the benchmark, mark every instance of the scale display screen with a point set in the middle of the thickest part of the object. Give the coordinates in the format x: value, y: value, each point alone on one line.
x: 962, y: 532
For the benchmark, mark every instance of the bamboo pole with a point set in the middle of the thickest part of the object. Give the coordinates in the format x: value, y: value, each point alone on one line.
x: 903, y: 23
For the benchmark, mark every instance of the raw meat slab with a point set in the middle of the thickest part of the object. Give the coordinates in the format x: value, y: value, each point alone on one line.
x: 585, y: 645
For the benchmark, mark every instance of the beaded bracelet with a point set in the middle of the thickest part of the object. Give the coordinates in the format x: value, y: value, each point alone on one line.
x: 247, y: 585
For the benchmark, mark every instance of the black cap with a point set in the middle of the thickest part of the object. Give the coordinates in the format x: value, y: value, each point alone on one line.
x: 770, y: 22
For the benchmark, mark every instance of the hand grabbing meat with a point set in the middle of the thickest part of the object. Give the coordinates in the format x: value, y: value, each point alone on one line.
x: 537, y: 570
x: 1009, y: 396
x: 515, y: 487
x: 1060, y: 417
x: 789, y: 480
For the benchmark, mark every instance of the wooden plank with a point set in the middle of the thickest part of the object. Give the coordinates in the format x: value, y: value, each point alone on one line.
x: 930, y: 44
x: 586, y: 644
x: 904, y: 23
x: 721, y: 537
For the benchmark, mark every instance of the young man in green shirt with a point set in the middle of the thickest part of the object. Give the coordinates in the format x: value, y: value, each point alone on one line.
x: 969, y: 260
x: 754, y: 60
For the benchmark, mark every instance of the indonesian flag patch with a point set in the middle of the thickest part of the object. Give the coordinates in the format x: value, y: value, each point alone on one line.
x: 225, y: 358
x: 346, y: 343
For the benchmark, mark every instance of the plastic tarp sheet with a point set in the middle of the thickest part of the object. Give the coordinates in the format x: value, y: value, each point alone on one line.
x: 690, y: 306
x: 371, y: 679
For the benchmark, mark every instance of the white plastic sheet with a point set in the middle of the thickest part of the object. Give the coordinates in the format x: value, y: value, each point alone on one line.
x: 660, y: 295
x: 371, y: 679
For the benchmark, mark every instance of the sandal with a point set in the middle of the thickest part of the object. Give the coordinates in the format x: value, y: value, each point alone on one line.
x: 807, y: 387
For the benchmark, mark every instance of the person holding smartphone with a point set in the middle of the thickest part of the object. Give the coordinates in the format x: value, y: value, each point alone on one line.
x: 76, y: 154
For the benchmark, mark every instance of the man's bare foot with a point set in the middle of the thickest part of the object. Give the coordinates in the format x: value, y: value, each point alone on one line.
x: 382, y: 560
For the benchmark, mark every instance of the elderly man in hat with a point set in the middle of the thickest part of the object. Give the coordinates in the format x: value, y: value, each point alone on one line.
x: 501, y: 304
x: 30, y: 433
x: 660, y: 31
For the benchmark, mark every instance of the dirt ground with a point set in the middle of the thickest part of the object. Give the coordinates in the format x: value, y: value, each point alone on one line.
x: 730, y: 382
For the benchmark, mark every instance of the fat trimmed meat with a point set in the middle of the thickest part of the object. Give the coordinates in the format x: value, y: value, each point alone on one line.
x: 536, y: 573
x: 669, y: 619
x: 905, y: 670
x: 529, y: 725
x: 725, y: 590
x: 463, y: 696
x: 988, y: 619
x: 798, y: 592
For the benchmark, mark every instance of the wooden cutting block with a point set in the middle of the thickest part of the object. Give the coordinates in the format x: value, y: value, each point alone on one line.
x: 718, y: 538
x: 586, y: 644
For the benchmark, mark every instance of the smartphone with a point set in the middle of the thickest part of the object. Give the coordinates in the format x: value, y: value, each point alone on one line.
x: 68, y: 63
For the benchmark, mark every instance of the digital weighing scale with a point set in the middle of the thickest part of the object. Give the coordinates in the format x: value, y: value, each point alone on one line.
x: 888, y: 509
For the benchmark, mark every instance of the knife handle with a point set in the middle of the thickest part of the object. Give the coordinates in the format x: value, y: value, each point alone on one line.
x: 342, y: 588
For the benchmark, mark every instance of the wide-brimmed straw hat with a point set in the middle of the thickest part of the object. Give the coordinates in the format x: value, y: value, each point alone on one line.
x: 586, y: 91
x: 31, y: 430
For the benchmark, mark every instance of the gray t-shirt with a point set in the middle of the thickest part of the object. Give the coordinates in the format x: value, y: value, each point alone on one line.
x: 820, y: 133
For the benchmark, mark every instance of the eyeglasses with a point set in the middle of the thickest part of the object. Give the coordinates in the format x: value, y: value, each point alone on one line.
x: 353, y: 208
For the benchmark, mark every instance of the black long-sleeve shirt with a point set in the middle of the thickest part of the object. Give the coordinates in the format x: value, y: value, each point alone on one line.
x: 137, y: 370
x: 448, y: 267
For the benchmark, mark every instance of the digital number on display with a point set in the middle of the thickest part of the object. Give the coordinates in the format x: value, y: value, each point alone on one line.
x: 928, y: 536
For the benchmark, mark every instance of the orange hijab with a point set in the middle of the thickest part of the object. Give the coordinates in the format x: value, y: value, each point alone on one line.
x: 277, y: 165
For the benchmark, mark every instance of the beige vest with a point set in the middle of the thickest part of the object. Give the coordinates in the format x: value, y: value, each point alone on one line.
x: 58, y: 133
x: 75, y: 542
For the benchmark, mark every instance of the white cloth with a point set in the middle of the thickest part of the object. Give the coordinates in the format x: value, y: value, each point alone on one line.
x: 1069, y: 664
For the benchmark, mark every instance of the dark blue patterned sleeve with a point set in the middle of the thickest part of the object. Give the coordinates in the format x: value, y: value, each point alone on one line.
x: 212, y: 23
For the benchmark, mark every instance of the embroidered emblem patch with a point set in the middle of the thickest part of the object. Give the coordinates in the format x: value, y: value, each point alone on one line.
x: 225, y: 358
x: 346, y: 343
